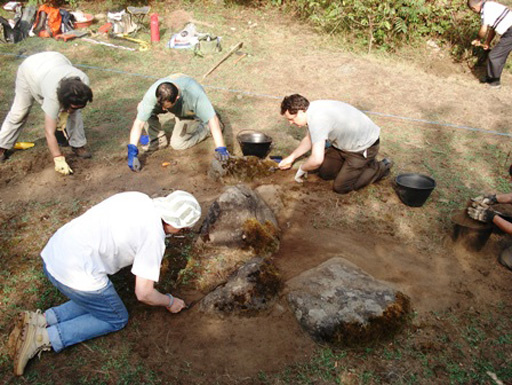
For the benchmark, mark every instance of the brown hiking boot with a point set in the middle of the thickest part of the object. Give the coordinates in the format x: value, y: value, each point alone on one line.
x: 35, y: 318
x: 82, y: 152
x: 387, y: 163
x: 15, y: 334
x: 31, y: 340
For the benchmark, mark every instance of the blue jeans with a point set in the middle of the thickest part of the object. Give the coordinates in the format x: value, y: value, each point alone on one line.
x: 87, y: 315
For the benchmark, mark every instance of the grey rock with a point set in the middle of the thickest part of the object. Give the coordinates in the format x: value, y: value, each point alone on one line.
x: 339, y: 303
x: 271, y: 195
x: 240, y: 218
x: 216, y: 172
x: 249, y: 290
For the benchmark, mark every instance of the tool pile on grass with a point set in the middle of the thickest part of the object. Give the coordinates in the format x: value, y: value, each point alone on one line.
x: 49, y: 21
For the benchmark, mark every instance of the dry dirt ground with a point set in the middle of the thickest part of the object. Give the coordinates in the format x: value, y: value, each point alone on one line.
x: 410, y: 248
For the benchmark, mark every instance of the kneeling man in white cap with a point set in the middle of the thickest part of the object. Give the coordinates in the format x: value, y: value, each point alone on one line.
x: 126, y: 229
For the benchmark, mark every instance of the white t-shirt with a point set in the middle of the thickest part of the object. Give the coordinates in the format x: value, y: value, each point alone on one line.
x: 123, y: 230
x: 43, y: 72
x: 344, y: 126
x: 496, y: 16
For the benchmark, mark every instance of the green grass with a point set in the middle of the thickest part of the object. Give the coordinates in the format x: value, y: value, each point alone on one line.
x: 454, y: 358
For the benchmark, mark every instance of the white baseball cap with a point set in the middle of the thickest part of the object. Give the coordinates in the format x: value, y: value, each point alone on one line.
x: 179, y: 209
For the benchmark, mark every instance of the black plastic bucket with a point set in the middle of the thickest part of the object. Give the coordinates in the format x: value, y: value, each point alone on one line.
x: 254, y: 143
x: 414, y: 189
x: 471, y: 234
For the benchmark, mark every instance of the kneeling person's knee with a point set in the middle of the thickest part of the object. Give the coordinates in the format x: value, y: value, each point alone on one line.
x: 343, y: 188
x: 120, y: 321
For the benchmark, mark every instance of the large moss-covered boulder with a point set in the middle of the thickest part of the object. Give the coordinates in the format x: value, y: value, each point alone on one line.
x: 339, y: 303
x: 239, y: 226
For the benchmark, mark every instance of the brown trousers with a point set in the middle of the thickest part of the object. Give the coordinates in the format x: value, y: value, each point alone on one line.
x: 351, y: 170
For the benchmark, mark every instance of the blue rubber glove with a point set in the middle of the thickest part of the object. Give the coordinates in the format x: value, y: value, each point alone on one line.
x: 221, y: 153
x: 144, y: 139
x: 133, y: 161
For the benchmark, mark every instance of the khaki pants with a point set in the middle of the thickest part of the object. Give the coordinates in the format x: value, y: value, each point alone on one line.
x: 351, y: 170
x: 185, y: 133
x: 18, y: 114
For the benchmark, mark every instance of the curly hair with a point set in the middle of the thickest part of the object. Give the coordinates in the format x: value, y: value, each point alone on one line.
x: 72, y: 91
x: 166, y: 92
x: 293, y: 104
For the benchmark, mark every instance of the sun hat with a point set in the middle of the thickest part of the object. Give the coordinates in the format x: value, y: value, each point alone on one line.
x: 179, y: 209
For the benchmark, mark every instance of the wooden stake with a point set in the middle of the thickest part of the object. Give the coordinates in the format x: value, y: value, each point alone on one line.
x: 231, y: 52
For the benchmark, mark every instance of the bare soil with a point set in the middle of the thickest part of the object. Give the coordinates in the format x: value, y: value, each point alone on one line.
x: 410, y: 248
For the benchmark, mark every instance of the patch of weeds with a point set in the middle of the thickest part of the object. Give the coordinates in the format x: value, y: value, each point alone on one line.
x: 369, y: 377
x: 392, y: 355
x: 188, y: 275
x: 49, y: 296
x: 35, y: 377
x: 504, y: 340
x: 178, y: 253
x: 457, y: 373
x: 474, y: 335
x: 325, y: 367
x: 474, y: 343
x: 119, y: 368
x: 262, y: 376
x: 503, y: 185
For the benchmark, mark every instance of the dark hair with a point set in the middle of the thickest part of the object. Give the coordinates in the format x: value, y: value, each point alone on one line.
x: 166, y: 92
x: 510, y: 170
x: 73, y: 91
x: 293, y: 104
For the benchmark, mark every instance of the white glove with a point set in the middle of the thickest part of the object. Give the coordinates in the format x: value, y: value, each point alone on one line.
x: 485, y: 199
x: 482, y: 214
x: 301, y: 175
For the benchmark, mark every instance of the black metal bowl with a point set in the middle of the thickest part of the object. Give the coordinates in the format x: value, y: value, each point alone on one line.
x: 254, y: 143
x: 414, y: 189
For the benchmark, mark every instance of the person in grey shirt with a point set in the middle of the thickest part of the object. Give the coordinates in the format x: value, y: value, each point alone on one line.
x: 350, y: 159
x: 62, y: 90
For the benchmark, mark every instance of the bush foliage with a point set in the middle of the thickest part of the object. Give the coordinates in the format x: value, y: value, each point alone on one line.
x: 388, y: 25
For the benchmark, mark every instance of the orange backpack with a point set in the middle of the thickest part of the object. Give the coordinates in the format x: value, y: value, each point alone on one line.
x: 48, y: 21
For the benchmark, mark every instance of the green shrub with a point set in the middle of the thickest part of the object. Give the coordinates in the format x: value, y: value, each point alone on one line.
x: 389, y: 24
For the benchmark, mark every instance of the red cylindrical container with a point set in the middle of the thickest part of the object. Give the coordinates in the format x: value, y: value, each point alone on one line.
x: 155, y: 30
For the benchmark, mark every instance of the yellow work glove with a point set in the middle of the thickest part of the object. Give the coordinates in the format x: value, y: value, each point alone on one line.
x: 61, y: 165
